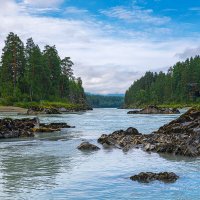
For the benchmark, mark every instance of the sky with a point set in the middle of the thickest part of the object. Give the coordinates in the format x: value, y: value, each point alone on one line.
x: 111, y: 42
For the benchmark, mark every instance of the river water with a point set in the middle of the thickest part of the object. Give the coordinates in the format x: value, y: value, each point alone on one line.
x: 50, y: 166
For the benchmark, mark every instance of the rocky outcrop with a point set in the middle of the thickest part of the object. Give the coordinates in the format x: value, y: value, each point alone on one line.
x: 35, y: 110
x: 146, y: 177
x: 122, y: 139
x: 16, y: 128
x: 86, y: 146
x: 78, y: 109
x: 56, y: 125
x: 40, y: 110
x: 155, y: 110
x: 52, y: 127
x: 179, y: 137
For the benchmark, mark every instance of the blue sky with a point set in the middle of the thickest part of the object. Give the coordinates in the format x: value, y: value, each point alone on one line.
x: 112, y: 42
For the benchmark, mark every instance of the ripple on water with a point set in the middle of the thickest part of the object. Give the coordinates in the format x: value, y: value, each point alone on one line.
x: 51, y: 167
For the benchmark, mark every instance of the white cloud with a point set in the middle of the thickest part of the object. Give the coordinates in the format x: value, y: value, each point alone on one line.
x: 135, y: 15
x: 107, y: 64
x: 74, y: 10
x: 43, y: 3
x: 189, y: 52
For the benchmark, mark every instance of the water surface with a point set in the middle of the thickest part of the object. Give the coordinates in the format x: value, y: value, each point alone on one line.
x: 50, y: 166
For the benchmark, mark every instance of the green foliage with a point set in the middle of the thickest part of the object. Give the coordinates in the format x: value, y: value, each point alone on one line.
x: 48, y: 104
x: 100, y: 101
x: 29, y: 75
x: 180, y: 85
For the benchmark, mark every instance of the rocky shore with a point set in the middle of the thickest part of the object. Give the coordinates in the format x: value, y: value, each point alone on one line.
x: 17, y: 128
x: 179, y: 137
x: 155, y: 110
x: 35, y: 110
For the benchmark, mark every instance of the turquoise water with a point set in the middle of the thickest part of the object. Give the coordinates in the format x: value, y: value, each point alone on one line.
x: 50, y: 167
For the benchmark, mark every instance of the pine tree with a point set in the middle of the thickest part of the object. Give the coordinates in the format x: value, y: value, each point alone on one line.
x: 52, y: 64
x: 33, y: 71
x: 12, y: 66
x: 66, y: 65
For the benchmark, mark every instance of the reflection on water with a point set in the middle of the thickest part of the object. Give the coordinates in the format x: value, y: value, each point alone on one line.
x: 50, y: 166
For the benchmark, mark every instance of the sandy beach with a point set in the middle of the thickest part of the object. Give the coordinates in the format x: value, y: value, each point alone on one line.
x: 12, y: 109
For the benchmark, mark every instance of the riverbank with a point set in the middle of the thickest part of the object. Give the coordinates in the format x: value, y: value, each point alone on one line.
x: 43, y: 107
x: 13, y: 109
x: 175, y: 105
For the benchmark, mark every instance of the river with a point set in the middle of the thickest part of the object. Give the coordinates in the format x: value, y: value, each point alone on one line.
x: 51, y: 167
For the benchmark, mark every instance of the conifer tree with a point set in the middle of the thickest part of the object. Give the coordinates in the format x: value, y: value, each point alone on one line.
x: 12, y: 66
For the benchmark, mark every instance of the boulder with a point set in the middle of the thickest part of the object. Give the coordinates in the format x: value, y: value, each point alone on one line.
x: 146, y: 177
x: 155, y: 110
x: 86, y: 146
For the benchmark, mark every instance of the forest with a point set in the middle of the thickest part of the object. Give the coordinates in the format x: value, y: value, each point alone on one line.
x: 180, y: 85
x: 28, y: 74
x: 102, y: 101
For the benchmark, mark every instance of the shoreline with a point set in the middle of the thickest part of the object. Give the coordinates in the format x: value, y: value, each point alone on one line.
x: 13, y: 109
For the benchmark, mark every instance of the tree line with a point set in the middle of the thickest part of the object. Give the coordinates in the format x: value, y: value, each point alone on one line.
x: 181, y: 84
x: 101, y: 101
x: 29, y: 74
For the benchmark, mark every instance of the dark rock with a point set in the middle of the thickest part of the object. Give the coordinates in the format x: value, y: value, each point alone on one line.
x: 86, y: 146
x: 132, y: 131
x: 179, y: 137
x: 55, y: 125
x: 146, y: 177
x: 39, y: 110
x: 155, y: 110
x: 14, y: 128
x: 133, y: 112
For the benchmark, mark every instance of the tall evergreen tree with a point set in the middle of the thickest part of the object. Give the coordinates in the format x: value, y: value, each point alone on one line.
x: 66, y: 65
x: 27, y: 74
x: 52, y: 64
x: 34, y: 71
x: 12, y: 66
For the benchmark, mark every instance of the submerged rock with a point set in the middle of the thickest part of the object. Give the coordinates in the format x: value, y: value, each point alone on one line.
x: 155, y: 110
x: 179, y: 137
x: 86, y: 146
x: 146, y: 177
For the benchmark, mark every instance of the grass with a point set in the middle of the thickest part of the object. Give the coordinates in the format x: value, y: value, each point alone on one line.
x: 170, y: 105
x: 43, y: 104
x: 47, y: 104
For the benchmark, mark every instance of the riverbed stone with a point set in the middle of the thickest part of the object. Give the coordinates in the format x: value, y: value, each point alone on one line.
x: 86, y: 146
x: 146, y: 177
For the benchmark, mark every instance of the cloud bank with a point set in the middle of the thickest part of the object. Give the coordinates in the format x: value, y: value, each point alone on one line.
x: 108, y: 58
